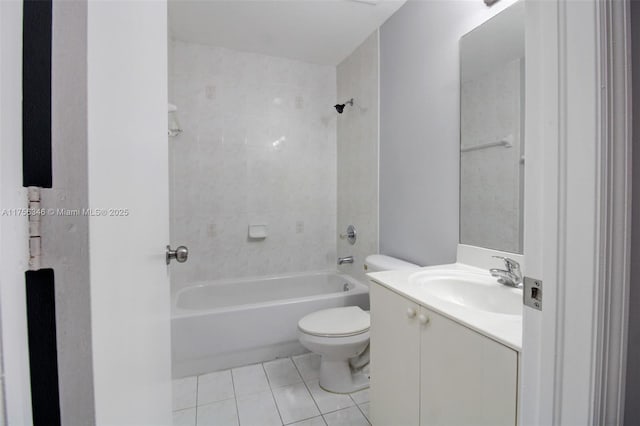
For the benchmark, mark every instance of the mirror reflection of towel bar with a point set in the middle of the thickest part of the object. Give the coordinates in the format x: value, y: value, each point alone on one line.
x: 505, y: 143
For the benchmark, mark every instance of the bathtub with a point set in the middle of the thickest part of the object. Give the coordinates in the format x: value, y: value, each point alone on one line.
x: 224, y: 324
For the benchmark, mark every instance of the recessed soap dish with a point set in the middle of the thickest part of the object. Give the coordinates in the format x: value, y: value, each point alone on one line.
x: 258, y: 232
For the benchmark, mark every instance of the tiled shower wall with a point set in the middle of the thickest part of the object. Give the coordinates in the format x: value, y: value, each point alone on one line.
x: 259, y: 146
x: 358, y: 154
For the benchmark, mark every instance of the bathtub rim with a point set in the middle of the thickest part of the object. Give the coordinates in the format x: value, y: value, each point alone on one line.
x: 176, y: 312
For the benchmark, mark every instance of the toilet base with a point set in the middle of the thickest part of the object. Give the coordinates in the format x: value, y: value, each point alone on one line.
x: 336, y: 376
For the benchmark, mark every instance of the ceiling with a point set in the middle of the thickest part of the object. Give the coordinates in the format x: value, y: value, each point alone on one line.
x: 317, y: 31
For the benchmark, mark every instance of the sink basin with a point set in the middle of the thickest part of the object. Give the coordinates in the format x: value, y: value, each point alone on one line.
x: 469, y: 290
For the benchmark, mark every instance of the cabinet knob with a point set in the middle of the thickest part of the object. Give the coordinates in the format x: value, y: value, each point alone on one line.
x: 411, y: 312
x: 423, y: 319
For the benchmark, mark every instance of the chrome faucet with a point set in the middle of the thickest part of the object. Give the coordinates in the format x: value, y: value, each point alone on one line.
x: 512, y: 276
x: 342, y: 260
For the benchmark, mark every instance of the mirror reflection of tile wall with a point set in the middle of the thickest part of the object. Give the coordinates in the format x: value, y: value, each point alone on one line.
x: 492, y: 133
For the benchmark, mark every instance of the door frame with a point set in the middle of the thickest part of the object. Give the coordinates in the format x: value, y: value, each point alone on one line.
x: 15, y: 387
x: 579, y: 174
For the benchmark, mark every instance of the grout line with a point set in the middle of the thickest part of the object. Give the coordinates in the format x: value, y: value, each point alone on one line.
x: 308, y: 390
x: 363, y: 415
x: 235, y: 397
x: 272, y: 395
x: 305, y: 419
x: 197, y: 392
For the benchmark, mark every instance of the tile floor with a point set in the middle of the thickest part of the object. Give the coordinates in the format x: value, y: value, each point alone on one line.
x: 280, y: 392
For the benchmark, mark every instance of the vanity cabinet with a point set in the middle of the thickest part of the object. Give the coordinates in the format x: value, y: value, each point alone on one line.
x: 429, y: 370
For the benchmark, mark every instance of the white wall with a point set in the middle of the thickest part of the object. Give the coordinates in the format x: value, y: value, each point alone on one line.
x: 357, y: 77
x: 259, y: 146
x: 419, y: 127
x: 632, y: 408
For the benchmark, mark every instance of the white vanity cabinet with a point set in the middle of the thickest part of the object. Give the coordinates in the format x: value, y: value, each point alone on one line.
x: 429, y: 370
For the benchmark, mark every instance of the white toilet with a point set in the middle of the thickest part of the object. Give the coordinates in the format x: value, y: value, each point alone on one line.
x: 341, y: 336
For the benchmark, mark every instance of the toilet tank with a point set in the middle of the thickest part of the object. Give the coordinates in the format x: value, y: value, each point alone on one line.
x: 380, y: 262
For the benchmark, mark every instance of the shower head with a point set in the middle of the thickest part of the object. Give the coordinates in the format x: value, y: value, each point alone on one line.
x: 340, y: 107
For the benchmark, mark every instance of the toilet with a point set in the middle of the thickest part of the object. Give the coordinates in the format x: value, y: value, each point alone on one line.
x: 341, y: 336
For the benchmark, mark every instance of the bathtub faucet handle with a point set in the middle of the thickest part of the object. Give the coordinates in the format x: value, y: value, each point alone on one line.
x: 181, y: 254
x: 351, y: 235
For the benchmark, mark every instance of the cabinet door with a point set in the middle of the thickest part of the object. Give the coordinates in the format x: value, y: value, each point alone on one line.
x: 395, y: 359
x: 466, y: 378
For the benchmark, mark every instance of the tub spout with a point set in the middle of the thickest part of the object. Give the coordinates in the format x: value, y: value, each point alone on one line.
x: 342, y: 260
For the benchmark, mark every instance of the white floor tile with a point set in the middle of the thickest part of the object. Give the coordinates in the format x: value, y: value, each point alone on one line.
x: 347, y: 417
x: 365, y: 410
x: 215, y: 387
x: 316, y: 421
x: 184, y: 417
x: 184, y: 393
x: 249, y: 379
x: 295, y: 403
x: 258, y: 409
x: 328, y: 401
x: 281, y: 372
x: 359, y: 397
x: 309, y: 366
x: 221, y: 413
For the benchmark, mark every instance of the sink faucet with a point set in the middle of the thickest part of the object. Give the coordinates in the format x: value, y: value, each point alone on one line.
x: 512, y: 276
x: 348, y: 259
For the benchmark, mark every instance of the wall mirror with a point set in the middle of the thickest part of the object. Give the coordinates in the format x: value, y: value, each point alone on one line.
x: 492, y: 132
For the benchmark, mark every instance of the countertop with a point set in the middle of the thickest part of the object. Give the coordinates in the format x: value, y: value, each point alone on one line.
x: 505, y: 329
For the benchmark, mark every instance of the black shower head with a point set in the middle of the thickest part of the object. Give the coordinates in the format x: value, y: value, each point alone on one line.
x: 340, y: 107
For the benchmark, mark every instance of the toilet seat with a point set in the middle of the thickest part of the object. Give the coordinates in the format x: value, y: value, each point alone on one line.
x: 336, y: 322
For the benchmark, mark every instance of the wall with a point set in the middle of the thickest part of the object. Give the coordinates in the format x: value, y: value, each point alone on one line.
x: 65, y: 242
x: 419, y: 127
x: 357, y: 77
x: 632, y: 408
x: 259, y: 146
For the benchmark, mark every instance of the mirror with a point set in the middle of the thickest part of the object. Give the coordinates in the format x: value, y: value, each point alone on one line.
x: 492, y: 132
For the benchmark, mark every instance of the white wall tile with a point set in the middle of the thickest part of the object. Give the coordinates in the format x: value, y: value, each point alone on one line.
x: 357, y: 158
x: 226, y: 171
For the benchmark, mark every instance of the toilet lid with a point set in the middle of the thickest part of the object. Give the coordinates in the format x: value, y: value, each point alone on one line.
x: 347, y: 321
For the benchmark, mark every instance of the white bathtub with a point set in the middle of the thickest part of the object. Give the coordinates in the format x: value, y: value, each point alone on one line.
x: 217, y: 325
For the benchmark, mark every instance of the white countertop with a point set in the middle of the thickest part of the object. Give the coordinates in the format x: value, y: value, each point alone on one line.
x: 506, y: 329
